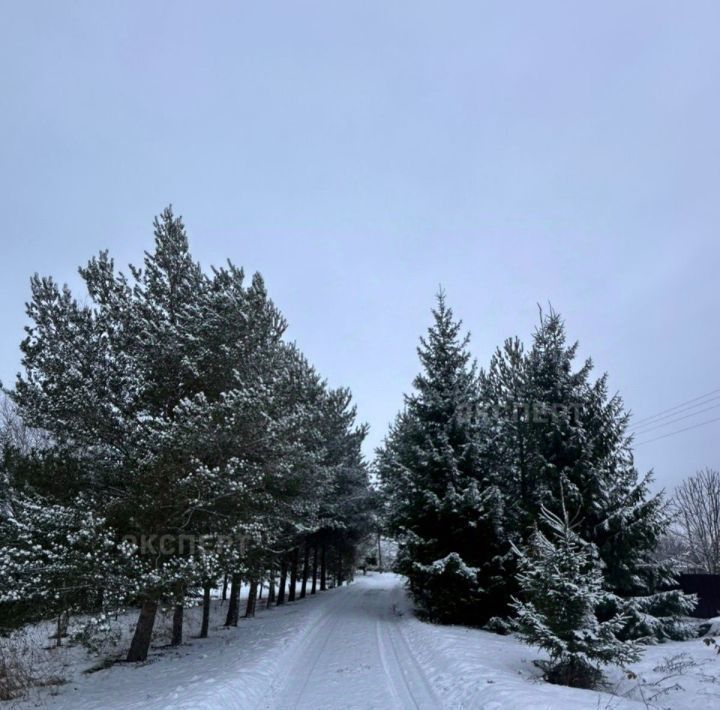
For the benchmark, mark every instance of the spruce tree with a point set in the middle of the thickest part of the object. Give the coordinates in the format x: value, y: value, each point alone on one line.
x: 555, y: 429
x: 442, y: 505
x: 562, y: 588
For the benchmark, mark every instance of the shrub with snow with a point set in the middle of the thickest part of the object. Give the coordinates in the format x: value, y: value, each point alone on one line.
x: 562, y: 587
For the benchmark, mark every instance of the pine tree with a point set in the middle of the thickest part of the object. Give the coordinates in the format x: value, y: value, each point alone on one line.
x: 561, y: 582
x: 172, y: 404
x: 442, y: 505
x: 56, y: 560
x: 136, y: 388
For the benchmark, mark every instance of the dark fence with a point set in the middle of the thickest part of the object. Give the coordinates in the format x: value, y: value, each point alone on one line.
x: 707, y: 587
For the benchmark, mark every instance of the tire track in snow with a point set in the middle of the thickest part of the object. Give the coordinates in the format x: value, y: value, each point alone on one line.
x: 289, y: 695
x: 404, y: 674
x: 354, y: 657
x: 384, y: 661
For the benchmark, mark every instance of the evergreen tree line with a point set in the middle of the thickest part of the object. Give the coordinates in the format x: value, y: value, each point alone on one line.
x: 178, y: 441
x: 516, y: 502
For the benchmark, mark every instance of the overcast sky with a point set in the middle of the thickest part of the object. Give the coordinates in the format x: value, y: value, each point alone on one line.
x: 359, y: 154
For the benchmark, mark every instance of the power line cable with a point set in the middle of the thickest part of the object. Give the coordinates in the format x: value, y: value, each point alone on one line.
x: 687, y: 408
x: 682, y: 406
x: 679, y: 431
x: 645, y: 429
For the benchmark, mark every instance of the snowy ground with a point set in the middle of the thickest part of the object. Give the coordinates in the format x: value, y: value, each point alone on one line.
x: 360, y: 648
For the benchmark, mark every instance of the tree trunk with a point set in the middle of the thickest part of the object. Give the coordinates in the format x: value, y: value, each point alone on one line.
x: 323, y: 569
x: 177, y: 622
x: 379, y: 559
x: 225, y: 585
x: 206, y: 611
x: 177, y: 625
x: 260, y: 591
x: 252, y: 596
x: 306, y: 562
x: 271, y: 587
x: 233, y: 606
x: 340, y: 570
x: 143, y: 632
x: 314, y: 569
x: 283, y: 580
x: 293, y: 574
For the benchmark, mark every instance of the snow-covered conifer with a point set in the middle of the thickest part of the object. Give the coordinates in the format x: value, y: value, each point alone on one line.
x: 562, y: 590
x: 442, y: 505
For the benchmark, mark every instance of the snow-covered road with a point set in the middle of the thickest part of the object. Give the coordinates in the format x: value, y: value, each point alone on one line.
x: 361, y: 648
x: 341, y: 649
x: 355, y: 656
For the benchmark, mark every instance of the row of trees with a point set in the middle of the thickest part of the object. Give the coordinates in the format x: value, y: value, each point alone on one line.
x: 180, y: 440
x: 515, y: 481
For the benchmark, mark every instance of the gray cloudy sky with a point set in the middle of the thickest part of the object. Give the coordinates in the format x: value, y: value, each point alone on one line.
x: 360, y: 153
